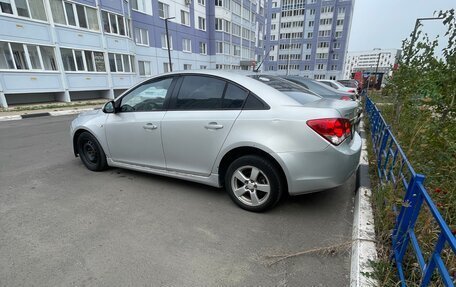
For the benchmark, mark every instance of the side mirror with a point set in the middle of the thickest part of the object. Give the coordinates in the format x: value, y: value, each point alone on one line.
x: 109, y: 108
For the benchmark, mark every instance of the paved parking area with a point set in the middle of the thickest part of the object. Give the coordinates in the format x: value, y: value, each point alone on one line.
x: 62, y: 225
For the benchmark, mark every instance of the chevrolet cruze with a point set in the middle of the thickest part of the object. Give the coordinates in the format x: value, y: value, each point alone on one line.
x: 257, y: 136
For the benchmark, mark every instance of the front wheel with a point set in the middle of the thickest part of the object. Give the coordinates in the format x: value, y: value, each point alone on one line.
x: 253, y: 183
x: 91, y: 152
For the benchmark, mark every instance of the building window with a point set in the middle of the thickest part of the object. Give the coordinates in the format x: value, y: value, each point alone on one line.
x: 16, y: 56
x: 163, y: 10
x: 236, y: 29
x: 115, y: 24
x: 185, y: 18
x: 311, y: 23
x: 82, y: 61
x: 320, y: 66
x: 165, y: 43
x: 203, y: 67
x: 144, y: 68
x: 219, y: 47
x: 309, y: 46
x: 319, y: 77
x: 142, y: 6
x: 338, y: 34
x: 335, y: 56
x: 219, y: 3
x: 323, y: 44
x: 327, y: 9
x: 307, y: 57
x: 312, y: 12
x: 33, y: 9
x: 202, y: 23
x: 203, y: 48
x: 142, y: 36
x: 341, y: 10
x: 187, y: 66
x: 309, y: 35
x: 326, y: 21
x: 166, y: 68
x: 5, y: 7
x: 236, y: 8
x: 336, y: 45
x: 274, y: 16
x: 73, y: 14
x: 227, y: 26
x: 121, y: 63
x: 340, y: 22
x: 236, y: 50
x: 186, y: 45
x: 202, y: 2
x: 218, y: 24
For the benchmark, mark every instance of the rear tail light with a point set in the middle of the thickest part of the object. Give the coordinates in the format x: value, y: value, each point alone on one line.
x: 334, y: 130
x: 346, y: 98
x: 352, y: 91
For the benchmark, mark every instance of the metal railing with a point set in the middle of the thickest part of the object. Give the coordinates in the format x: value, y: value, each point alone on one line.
x: 394, y: 167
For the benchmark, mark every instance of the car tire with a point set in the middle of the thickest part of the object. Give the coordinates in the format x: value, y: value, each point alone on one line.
x: 91, y: 152
x: 254, y: 183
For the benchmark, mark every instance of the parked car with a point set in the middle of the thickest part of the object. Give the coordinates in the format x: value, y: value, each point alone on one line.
x: 338, y: 86
x: 259, y: 137
x: 321, y: 89
x: 351, y: 83
x: 328, y: 92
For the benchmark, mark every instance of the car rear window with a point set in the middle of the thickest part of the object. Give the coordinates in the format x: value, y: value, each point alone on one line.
x: 348, y: 84
x: 291, y: 89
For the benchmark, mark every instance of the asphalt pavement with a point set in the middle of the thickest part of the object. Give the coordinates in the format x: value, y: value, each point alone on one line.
x: 63, y: 225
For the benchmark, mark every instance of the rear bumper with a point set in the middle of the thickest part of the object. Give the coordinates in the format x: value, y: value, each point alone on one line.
x: 314, y: 171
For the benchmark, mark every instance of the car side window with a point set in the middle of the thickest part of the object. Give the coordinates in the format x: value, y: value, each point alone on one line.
x: 234, y: 97
x: 147, y: 97
x: 200, y: 93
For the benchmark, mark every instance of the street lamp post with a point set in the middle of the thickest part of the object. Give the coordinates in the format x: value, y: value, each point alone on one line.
x: 167, y: 42
x: 415, y: 30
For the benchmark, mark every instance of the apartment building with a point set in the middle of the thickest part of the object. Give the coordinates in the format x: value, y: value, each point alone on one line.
x: 381, y: 60
x: 307, y: 37
x: 59, y: 50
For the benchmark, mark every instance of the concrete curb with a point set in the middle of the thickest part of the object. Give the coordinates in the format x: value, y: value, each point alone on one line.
x: 363, y: 246
x: 46, y: 114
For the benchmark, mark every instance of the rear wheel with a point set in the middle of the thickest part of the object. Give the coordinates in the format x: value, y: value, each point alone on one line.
x: 253, y: 183
x: 90, y: 152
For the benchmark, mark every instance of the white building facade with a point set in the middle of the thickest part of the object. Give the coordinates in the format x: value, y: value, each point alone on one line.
x: 381, y: 60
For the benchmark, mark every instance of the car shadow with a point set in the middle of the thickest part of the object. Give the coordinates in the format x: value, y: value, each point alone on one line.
x: 325, y: 199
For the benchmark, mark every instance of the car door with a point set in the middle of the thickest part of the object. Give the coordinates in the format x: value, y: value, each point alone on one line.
x: 199, y: 118
x: 133, y: 133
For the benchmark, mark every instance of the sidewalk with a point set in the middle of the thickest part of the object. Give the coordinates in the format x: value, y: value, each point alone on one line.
x: 49, y: 109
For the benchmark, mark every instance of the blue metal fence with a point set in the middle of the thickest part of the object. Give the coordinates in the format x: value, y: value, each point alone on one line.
x: 393, y: 166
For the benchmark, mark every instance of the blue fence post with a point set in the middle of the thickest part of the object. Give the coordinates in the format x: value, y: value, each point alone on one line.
x: 407, y: 217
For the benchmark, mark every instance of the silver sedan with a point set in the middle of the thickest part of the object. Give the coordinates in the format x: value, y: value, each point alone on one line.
x: 257, y: 136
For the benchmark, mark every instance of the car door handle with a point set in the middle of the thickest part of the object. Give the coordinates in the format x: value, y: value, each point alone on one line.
x: 213, y: 126
x: 149, y: 126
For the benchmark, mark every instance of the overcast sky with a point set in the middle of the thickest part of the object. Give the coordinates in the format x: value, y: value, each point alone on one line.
x: 385, y: 23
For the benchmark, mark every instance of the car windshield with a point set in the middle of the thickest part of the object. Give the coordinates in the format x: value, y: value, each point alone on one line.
x: 294, y: 91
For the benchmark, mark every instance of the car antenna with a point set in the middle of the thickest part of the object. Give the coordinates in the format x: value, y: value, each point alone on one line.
x: 261, y: 63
